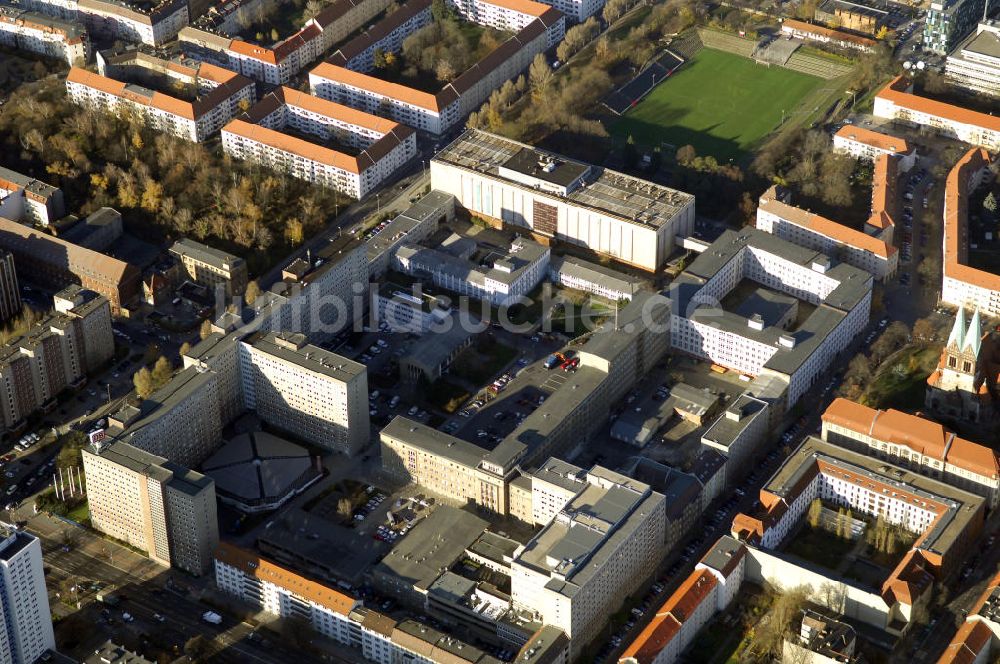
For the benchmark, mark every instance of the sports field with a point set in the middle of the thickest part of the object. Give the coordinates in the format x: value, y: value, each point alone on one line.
x: 720, y: 103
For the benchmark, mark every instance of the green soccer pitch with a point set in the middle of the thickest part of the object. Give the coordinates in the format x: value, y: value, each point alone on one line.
x: 720, y: 103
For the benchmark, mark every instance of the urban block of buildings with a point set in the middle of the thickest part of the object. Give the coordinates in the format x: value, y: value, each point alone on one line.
x: 875, y: 253
x: 192, y: 103
x: 948, y: 22
x: 413, y: 226
x: 594, y: 278
x: 26, y: 631
x: 961, y: 284
x: 56, y: 263
x: 320, y: 141
x: 869, y: 145
x: 217, y: 37
x: 913, y: 442
x: 23, y: 198
x: 557, y: 199
x: 157, y: 506
x: 824, y: 35
x: 598, y: 547
x: 756, y: 345
x: 500, y: 275
x: 378, y: 637
x: 976, y: 639
x: 896, y: 101
x: 210, y: 267
x: 150, y: 22
x: 56, y: 353
x: 975, y: 64
x: 864, y: 18
x: 611, y: 361
x: 38, y: 33
x: 345, y: 79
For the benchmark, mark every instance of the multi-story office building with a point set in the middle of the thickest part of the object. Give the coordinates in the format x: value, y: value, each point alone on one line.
x: 56, y: 263
x: 630, y: 220
x: 597, y: 550
x: 211, y: 267
x: 407, y: 310
x: 38, y: 33
x: 10, y: 292
x: 186, y: 102
x: 317, y: 395
x: 975, y: 64
x: 510, y: 275
x: 153, y: 504
x: 26, y: 629
x: 269, y: 133
x: 579, y: 274
x: 948, y: 22
x: 873, y: 253
x: 180, y: 421
x: 23, y: 198
x: 961, y: 284
x: 430, y: 112
x: 215, y: 37
x: 896, y: 101
x: 414, y: 225
x: 55, y: 354
x: 750, y: 341
x: 914, y: 442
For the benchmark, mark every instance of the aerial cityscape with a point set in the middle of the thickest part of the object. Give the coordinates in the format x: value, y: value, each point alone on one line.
x: 499, y: 331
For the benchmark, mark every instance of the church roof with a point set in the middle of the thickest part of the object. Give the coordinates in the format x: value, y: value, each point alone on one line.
x: 957, y: 336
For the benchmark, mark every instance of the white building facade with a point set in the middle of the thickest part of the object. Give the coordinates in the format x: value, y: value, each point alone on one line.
x: 26, y: 629
x: 45, y: 35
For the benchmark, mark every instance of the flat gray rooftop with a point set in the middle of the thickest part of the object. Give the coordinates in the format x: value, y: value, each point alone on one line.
x: 292, y: 348
x: 432, y: 545
x: 623, y: 196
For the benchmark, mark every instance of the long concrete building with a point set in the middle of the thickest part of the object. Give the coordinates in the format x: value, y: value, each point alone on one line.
x: 558, y: 199
x: 55, y: 263
x: 24, y: 198
x: 150, y: 22
x: 152, y: 504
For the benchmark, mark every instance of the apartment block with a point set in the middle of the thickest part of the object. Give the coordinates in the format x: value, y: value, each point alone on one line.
x: 866, y: 144
x: 23, y: 198
x: 373, y: 147
x: 913, y: 442
x: 386, y: 36
x: 750, y: 340
x: 430, y: 112
x: 597, y: 550
x: 210, y: 267
x: 896, y: 101
x: 26, y: 630
x: 56, y: 263
x: 975, y: 63
x: 147, y: 22
x: 874, y: 253
x: 515, y: 15
x: 10, y: 292
x: 315, y: 394
x: 961, y: 284
x: 948, y: 22
x: 217, y: 37
x: 554, y: 198
x: 53, y: 355
x: 152, y: 504
x: 191, y: 103
x: 37, y: 33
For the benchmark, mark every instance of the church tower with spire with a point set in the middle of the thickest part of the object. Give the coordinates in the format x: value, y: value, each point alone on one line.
x: 956, y: 389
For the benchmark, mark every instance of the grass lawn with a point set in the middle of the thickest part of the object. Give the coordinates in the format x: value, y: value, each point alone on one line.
x: 720, y: 103
x: 80, y: 513
x: 819, y: 546
x: 902, y: 380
